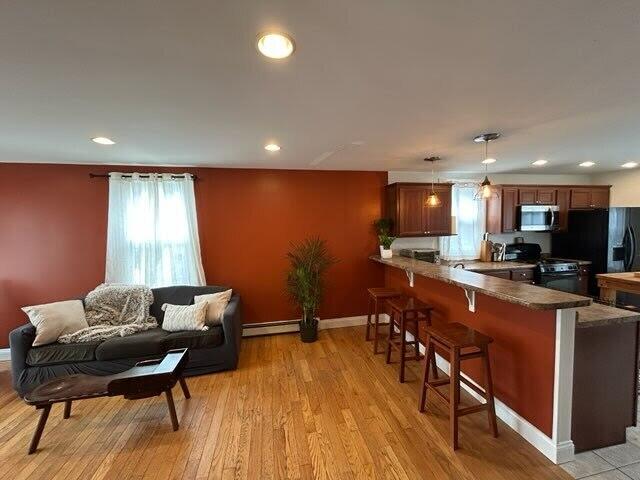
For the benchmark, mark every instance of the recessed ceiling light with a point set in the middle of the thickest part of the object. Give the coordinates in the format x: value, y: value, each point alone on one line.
x: 272, y: 147
x: 539, y: 163
x: 587, y: 164
x: 275, y: 45
x: 629, y: 165
x: 489, y: 160
x: 103, y: 141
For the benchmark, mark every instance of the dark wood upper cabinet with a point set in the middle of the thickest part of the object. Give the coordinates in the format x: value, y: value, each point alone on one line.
x: 405, y: 206
x: 539, y: 196
x: 501, y: 211
x: 527, y: 196
x: 600, y: 198
x: 589, y: 197
x: 563, y: 208
x: 546, y: 196
x: 438, y: 219
x: 410, y: 212
x: 580, y: 198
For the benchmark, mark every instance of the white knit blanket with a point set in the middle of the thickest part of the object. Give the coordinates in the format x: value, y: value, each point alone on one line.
x: 114, y: 310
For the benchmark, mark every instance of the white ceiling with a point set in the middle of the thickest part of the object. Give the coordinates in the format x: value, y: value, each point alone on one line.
x: 381, y: 83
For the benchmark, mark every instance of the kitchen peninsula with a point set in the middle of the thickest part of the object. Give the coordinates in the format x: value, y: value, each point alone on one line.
x: 553, y: 403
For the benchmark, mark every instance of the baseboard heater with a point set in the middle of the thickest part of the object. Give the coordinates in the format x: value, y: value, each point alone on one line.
x: 270, y: 328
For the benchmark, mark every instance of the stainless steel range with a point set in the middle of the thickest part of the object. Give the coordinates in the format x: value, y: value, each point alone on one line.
x: 550, y: 273
x: 558, y: 275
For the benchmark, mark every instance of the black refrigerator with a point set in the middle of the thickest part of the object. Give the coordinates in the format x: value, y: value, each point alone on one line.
x: 610, y: 238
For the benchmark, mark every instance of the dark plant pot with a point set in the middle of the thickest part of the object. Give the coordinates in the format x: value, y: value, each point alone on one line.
x: 309, y: 331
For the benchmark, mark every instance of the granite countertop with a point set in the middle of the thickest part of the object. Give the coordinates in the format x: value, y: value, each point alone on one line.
x: 529, y: 296
x: 478, y: 266
x: 597, y: 314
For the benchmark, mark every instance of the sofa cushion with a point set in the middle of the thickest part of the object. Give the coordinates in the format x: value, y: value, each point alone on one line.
x: 141, y: 344
x: 178, y: 295
x: 194, y: 339
x: 59, y: 353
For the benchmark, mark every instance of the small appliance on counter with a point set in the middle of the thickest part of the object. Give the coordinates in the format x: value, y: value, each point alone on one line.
x: 430, y: 255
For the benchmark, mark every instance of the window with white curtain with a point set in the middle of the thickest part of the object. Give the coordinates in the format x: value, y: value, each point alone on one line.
x: 470, y: 218
x: 152, y: 235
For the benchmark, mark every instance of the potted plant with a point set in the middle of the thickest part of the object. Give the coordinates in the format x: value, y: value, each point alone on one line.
x: 309, y: 261
x: 383, y: 227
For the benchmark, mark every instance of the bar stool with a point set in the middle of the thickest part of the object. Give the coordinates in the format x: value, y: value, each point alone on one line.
x: 410, y: 311
x: 453, y: 337
x: 377, y: 298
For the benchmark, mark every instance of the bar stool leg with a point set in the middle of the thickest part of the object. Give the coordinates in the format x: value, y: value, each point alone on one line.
x: 454, y: 378
x: 417, y: 337
x: 434, y: 366
x: 403, y: 344
x: 390, y: 336
x: 375, y: 330
x: 425, y: 375
x: 491, y: 411
x: 369, y: 318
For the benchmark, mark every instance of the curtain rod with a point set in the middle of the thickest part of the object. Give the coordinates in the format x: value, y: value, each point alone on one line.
x: 106, y: 175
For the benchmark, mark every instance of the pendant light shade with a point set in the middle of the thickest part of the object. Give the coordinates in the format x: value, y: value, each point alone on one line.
x: 432, y: 200
x: 485, y: 190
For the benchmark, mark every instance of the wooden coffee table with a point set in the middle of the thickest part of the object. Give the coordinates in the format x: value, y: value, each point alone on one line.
x: 146, y: 379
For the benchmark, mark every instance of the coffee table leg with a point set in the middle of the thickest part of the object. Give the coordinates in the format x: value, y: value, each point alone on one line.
x: 39, y: 428
x: 172, y: 410
x: 185, y: 389
x: 67, y: 409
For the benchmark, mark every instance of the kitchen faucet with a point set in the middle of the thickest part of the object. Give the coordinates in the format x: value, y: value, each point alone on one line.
x: 459, y: 264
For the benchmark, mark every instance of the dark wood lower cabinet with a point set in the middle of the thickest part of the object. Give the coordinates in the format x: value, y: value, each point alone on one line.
x: 605, y: 376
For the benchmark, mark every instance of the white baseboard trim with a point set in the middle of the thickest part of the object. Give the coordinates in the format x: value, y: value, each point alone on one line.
x: 5, y: 354
x: 543, y: 443
x: 291, y: 326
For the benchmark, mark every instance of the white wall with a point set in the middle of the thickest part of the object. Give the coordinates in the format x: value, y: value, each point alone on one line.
x: 625, y: 187
x: 544, y: 239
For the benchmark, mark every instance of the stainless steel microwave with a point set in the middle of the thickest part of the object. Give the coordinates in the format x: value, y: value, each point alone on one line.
x: 537, y: 218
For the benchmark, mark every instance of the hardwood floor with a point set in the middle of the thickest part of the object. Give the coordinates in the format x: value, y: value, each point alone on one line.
x: 291, y: 410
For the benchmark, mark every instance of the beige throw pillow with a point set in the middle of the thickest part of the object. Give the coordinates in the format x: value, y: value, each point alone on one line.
x: 55, y: 319
x: 217, y: 302
x: 184, y: 317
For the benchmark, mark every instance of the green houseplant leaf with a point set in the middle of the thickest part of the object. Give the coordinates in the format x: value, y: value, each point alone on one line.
x: 309, y: 261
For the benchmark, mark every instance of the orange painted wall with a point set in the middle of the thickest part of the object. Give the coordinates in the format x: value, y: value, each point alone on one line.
x: 523, y: 351
x: 53, y: 223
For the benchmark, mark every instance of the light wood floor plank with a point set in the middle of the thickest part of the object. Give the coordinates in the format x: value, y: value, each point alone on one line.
x: 327, y: 410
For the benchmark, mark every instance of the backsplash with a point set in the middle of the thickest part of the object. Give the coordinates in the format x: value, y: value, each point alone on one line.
x: 541, y: 238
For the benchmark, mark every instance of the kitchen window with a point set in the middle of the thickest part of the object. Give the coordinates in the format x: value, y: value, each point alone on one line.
x: 469, y: 215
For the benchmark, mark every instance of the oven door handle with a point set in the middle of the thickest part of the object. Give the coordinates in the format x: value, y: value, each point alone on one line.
x: 553, y: 276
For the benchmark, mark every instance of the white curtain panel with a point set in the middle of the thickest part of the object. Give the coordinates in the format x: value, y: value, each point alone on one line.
x: 470, y: 215
x: 152, y: 236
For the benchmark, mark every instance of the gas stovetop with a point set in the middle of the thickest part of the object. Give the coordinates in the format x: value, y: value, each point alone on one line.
x: 552, y: 265
x: 557, y: 266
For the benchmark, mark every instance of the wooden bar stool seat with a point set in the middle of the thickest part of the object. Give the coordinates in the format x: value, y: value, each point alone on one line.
x: 453, y: 337
x: 407, y: 312
x: 377, y: 299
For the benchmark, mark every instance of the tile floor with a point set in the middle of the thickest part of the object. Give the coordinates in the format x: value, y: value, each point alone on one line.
x: 620, y: 462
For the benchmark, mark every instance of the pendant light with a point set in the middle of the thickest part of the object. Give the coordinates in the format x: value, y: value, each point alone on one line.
x: 485, y: 190
x: 432, y: 200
